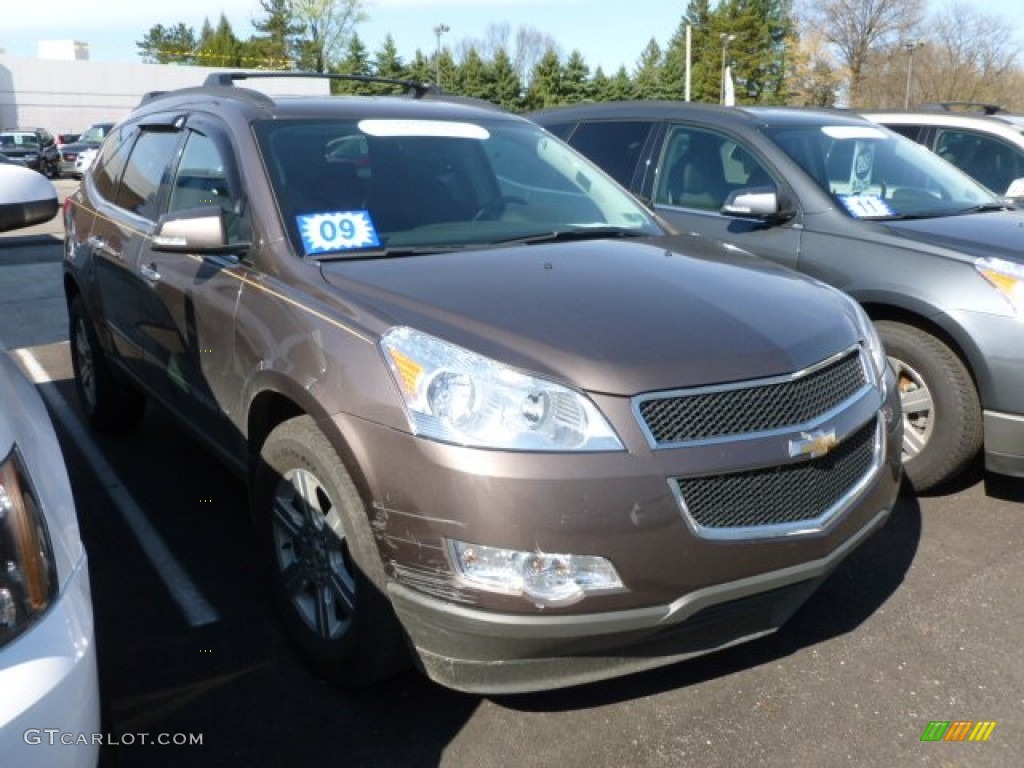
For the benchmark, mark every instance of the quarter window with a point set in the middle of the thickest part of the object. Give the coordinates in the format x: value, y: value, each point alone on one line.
x: 614, y: 145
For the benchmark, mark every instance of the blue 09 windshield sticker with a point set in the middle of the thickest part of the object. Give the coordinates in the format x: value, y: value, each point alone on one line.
x: 337, y: 231
x: 866, y: 206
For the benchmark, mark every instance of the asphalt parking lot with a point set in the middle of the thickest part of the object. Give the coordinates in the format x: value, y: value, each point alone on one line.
x: 921, y: 624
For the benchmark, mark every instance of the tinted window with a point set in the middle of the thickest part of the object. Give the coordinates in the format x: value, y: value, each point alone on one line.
x: 614, y: 145
x: 910, y: 131
x: 357, y: 185
x: 111, y: 161
x: 700, y: 168
x: 988, y: 159
x: 148, y: 163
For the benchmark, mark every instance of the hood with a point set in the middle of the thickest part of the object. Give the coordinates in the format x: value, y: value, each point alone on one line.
x: 77, y: 147
x: 993, y: 233
x: 613, y: 316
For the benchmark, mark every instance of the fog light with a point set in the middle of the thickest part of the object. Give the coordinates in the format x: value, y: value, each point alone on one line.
x: 544, y: 578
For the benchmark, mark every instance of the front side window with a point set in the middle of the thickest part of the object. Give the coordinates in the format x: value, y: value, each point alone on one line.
x: 875, y: 174
x: 987, y: 159
x: 201, y: 181
x: 148, y: 163
x: 347, y: 187
x: 701, y: 168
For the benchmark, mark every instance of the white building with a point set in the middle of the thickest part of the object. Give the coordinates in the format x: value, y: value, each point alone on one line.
x: 67, y: 96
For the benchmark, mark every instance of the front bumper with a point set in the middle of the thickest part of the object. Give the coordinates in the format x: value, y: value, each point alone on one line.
x: 686, y: 592
x: 482, y: 652
x: 48, y: 680
x: 1004, y: 443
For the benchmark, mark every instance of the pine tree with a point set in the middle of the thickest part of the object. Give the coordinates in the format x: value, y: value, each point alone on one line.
x: 545, y: 83
x: 647, y: 78
x: 576, y: 85
x: 273, y: 48
x: 508, y: 88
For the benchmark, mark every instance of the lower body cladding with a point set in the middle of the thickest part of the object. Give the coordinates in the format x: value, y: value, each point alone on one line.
x: 679, y: 589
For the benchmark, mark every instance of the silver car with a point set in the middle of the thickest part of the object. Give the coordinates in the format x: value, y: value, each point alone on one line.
x: 49, y: 694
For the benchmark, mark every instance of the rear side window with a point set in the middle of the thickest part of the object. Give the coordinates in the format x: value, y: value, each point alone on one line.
x: 110, y: 164
x: 614, y: 145
x: 147, y: 166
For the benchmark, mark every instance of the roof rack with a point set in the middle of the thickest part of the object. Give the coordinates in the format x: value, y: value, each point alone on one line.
x: 416, y: 89
x: 963, y: 106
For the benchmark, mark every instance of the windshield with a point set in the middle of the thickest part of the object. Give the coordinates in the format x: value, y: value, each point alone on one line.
x: 18, y: 141
x: 876, y: 174
x: 348, y: 187
x: 93, y: 134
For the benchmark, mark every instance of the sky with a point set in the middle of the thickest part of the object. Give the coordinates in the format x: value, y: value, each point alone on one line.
x: 609, y: 33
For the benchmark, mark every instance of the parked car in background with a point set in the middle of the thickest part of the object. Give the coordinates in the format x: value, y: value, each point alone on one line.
x: 36, y: 147
x: 90, y: 139
x: 12, y: 160
x: 48, y: 677
x: 84, y: 160
x: 488, y: 412
x: 986, y: 145
x: 934, y: 258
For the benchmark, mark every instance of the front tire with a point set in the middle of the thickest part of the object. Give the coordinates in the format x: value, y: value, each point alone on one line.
x: 110, y: 404
x: 307, y: 507
x: 942, y: 418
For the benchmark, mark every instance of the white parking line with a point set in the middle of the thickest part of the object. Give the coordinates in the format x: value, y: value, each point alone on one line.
x: 182, y: 589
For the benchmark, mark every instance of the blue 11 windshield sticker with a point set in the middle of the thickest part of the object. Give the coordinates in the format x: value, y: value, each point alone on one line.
x: 337, y: 231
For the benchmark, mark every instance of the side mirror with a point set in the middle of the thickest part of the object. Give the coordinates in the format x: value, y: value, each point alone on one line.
x: 760, y: 203
x: 195, y: 230
x: 26, y: 198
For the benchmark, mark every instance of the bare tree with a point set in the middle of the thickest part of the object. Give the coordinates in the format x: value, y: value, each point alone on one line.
x: 327, y: 26
x: 525, y: 47
x: 856, y: 28
x: 969, y: 56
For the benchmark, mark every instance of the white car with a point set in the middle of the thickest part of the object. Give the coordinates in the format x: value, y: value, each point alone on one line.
x: 49, y: 693
x: 84, y: 161
x: 981, y: 140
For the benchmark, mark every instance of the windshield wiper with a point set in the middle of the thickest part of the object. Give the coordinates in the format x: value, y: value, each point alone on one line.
x: 384, y: 253
x: 985, y: 207
x: 575, y: 233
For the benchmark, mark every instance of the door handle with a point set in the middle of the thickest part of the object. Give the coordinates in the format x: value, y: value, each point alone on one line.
x: 150, y: 273
x: 98, y: 243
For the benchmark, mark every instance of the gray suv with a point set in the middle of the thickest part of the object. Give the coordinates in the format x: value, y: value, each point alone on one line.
x: 935, y: 259
x: 491, y: 418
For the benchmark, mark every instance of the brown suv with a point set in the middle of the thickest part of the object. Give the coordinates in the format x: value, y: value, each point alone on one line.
x: 491, y: 417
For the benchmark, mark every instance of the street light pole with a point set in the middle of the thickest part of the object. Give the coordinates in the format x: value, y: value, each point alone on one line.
x: 726, y: 39
x: 439, y: 30
x: 689, y: 58
x: 910, y: 46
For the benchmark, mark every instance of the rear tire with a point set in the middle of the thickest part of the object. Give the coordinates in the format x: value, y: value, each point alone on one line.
x: 942, y: 418
x: 307, y: 506
x: 110, y: 404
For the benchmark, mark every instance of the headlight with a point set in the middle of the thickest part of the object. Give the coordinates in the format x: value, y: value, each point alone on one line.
x: 28, y: 575
x: 1007, y: 277
x: 458, y: 396
x: 872, y: 342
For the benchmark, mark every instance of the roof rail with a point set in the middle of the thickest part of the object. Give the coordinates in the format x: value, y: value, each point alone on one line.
x: 416, y: 89
x: 963, y: 106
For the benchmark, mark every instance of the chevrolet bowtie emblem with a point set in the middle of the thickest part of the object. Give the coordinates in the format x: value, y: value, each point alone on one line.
x: 813, y: 444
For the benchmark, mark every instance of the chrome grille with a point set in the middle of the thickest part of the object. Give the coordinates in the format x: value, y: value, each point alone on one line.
x: 753, y: 407
x: 788, y: 494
